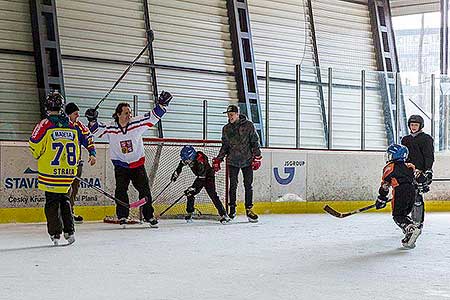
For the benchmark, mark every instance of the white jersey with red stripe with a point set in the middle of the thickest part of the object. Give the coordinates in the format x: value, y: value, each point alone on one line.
x: 126, y: 147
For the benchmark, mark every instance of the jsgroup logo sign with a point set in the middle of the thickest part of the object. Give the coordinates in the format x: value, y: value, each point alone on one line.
x: 289, y: 170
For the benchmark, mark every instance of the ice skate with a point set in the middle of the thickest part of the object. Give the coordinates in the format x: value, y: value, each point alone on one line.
x: 153, y: 222
x: 232, y: 213
x: 55, y: 239
x: 70, y: 238
x: 251, y: 216
x: 123, y: 222
x: 412, y: 233
x: 188, y: 218
x: 224, y: 219
x: 78, y: 219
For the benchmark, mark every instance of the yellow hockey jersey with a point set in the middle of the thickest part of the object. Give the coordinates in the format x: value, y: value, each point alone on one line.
x: 56, y: 146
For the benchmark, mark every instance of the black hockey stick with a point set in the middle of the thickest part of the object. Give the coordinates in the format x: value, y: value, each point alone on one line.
x: 123, y: 74
x: 337, y: 214
x: 441, y: 179
x: 170, y: 206
x: 108, y: 195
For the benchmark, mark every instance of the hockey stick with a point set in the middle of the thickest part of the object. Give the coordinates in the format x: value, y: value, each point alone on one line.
x: 441, y: 179
x: 123, y: 74
x: 337, y: 214
x: 170, y: 206
x: 130, y: 205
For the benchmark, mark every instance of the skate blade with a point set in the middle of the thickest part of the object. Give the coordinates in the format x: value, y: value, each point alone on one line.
x: 252, y: 221
x: 190, y: 221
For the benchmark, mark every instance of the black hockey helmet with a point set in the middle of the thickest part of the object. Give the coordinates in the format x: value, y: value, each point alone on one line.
x: 54, y: 101
x: 416, y: 119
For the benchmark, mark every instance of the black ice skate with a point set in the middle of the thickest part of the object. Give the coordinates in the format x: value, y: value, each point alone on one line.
x: 123, y: 222
x: 55, y: 239
x: 188, y: 218
x: 232, y: 213
x: 411, y: 235
x: 153, y: 222
x: 70, y: 238
x: 78, y: 219
x: 224, y: 219
x: 251, y: 216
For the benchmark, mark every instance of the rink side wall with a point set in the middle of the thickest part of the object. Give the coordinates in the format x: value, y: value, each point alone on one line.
x: 289, y: 181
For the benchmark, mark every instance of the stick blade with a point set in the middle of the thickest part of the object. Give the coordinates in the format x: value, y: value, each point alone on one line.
x: 138, y: 203
x: 333, y: 212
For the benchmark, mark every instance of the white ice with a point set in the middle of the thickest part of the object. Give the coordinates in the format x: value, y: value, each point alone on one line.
x: 281, y: 257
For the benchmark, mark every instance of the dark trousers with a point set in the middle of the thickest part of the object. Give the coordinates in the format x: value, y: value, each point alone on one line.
x: 210, y: 186
x: 402, y: 204
x: 75, y: 186
x: 247, y: 172
x: 58, y: 213
x: 139, y: 179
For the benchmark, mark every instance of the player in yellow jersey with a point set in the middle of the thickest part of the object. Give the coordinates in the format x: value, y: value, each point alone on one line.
x: 55, y: 143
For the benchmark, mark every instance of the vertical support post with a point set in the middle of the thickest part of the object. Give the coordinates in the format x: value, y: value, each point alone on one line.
x: 267, y: 101
x: 297, y: 107
x: 397, y: 107
x: 135, y: 105
x: 446, y: 126
x: 330, y: 108
x: 363, y: 110
x: 433, y: 104
x: 205, y: 119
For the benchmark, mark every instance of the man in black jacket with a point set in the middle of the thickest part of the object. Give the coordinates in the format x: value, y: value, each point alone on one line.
x: 421, y: 154
x: 240, y: 143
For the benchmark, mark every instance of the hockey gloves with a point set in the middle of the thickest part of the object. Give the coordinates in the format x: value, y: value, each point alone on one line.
x: 174, y: 176
x: 216, y: 164
x: 164, y: 98
x: 190, y: 191
x: 91, y: 114
x: 429, y: 176
x: 256, y: 162
x: 381, y: 202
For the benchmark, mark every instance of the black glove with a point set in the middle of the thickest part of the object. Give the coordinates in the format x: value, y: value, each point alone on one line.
x: 423, y: 187
x: 429, y: 176
x: 164, y: 98
x: 381, y: 202
x: 174, y: 176
x: 91, y: 114
x: 190, y: 191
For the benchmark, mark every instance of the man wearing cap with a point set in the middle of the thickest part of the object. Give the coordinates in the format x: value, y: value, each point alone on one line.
x: 240, y: 144
x: 72, y: 111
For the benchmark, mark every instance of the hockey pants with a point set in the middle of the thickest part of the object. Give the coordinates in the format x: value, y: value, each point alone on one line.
x: 210, y: 186
x: 139, y: 179
x: 58, y: 213
x: 403, y: 198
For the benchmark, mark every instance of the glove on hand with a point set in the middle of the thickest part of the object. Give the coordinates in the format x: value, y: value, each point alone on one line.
x: 256, y: 162
x: 174, y: 176
x: 216, y: 164
x: 381, y: 202
x: 91, y: 114
x: 164, y: 98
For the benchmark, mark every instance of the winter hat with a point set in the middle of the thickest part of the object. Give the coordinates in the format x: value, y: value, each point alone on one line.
x: 71, y: 108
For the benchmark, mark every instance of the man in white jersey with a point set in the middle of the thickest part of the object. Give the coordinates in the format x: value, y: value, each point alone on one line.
x: 126, y: 150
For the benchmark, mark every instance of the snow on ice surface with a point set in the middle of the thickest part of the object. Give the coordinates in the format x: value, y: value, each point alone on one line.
x: 281, y: 257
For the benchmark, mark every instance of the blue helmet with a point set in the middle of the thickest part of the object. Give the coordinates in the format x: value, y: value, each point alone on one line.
x: 188, y: 153
x: 397, y: 152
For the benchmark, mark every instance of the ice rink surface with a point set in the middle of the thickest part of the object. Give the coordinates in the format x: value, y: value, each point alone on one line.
x: 281, y: 257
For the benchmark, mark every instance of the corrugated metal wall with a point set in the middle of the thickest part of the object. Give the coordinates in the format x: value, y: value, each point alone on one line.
x: 194, y: 34
x: 106, y: 29
x: 281, y: 35
x: 19, y: 106
x: 345, y: 43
